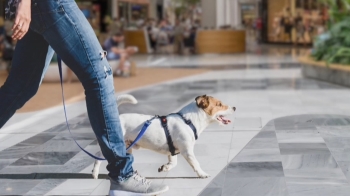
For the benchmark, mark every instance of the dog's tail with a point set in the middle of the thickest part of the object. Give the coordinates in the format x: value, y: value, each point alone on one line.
x: 121, y: 99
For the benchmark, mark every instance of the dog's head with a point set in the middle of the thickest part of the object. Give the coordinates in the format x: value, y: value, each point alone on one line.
x: 215, y: 109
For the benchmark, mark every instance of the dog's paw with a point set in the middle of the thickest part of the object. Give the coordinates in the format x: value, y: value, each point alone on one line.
x: 164, y: 168
x: 203, y: 175
x: 95, y: 176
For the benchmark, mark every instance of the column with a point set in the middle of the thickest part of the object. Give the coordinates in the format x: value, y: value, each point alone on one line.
x: 115, y: 9
x: 209, y: 13
x: 235, y: 13
x: 220, y: 13
x: 153, y: 9
x: 228, y: 13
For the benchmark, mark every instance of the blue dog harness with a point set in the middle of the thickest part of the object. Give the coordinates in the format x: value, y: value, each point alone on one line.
x: 164, y: 122
x: 163, y: 119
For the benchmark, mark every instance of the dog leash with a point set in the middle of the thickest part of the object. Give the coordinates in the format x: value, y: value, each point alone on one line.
x: 139, y: 136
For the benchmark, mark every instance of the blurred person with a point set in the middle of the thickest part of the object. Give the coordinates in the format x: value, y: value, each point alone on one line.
x: 309, y: 29
x: 69, y: 34
x: 283, y: 19
x: 258, y: 29
x: 169, y: 28
x: 117, y: 52
x: 300, y: 29
x: 162, y: 38
x: 288, y: 27
x: 277, y: 27
x: 151, y: 28
x: 179, y: 31
x: 190, y: 41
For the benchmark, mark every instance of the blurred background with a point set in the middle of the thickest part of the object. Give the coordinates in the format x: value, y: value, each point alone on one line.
x: 284, y: 64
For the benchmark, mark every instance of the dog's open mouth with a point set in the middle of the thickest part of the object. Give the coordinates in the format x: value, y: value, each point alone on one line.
x: 223, y: 120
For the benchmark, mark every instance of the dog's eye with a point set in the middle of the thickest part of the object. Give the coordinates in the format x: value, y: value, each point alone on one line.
x: 219, y: 104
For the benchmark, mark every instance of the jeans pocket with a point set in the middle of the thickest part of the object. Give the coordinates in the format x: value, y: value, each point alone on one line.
x: 46, y: 6
x: 45, y: 13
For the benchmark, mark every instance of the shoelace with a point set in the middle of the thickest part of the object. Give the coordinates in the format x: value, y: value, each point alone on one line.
x: 142, y: 179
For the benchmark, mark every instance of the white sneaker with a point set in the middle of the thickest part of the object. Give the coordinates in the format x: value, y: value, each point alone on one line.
x: 136, y: 185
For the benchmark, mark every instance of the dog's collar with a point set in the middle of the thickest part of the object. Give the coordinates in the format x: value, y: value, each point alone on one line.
x: 189, y: 123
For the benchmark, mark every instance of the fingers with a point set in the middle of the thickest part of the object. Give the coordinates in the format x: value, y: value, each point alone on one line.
x: 19, y: 30
x: 23, y: 31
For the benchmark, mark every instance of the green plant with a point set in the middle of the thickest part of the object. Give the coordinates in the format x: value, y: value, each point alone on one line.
x: 181, y: 6
x: 334, y: 45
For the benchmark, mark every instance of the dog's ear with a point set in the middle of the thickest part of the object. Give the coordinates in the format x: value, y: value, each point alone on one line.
x: 202, y: 101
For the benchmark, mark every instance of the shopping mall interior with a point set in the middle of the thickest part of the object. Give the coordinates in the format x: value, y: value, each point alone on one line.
x: 283, y: 65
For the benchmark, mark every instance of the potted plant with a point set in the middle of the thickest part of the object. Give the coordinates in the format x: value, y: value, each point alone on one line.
x: 330, y: 56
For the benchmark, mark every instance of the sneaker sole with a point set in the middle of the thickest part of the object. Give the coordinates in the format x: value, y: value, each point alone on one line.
x: 126, y: 193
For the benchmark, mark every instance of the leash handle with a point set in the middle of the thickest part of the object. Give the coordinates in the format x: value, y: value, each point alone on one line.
x: 65, y: 112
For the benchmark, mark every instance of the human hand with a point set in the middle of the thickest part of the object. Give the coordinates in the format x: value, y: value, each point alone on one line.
x: 22, y: 21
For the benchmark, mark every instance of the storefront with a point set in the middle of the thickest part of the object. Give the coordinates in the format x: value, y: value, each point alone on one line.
x: 293, y: 21
x: 134, y: 11
x: 248, y: 12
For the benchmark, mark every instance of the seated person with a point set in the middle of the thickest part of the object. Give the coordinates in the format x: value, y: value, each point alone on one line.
x: 116, y: 52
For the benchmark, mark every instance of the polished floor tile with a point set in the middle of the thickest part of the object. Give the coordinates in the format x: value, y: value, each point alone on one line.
x: 45, y: 158
x: 254, y: 169
x: 303, y: 148
x: 17, y: 187
x: 258, y: 155
x: 255, y: 186
x: 301, y: 161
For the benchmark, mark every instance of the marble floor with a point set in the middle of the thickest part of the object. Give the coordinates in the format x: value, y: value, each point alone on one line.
x: 290, y: 136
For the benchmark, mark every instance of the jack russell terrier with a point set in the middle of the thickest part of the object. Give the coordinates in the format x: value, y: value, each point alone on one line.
x: 200, y: 113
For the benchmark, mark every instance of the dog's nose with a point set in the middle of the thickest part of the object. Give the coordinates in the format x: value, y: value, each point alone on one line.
x: 234, y: 108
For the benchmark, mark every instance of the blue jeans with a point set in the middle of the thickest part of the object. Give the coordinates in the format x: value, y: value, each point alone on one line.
x: 59, y: 25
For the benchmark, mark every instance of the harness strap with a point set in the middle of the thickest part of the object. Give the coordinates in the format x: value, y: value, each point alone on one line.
x: 164, y: 122
x: 190, y: 124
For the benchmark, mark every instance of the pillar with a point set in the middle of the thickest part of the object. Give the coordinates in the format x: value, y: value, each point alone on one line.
x: 115, y: 9
x: 209, y: 13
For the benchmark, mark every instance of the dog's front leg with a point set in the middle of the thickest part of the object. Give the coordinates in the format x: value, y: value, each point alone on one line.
x: 96, y: 169
x: 191, y: 159
x: 171, y: 164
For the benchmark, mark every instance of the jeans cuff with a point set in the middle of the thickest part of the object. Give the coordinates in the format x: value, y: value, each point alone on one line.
x: 122, y: 178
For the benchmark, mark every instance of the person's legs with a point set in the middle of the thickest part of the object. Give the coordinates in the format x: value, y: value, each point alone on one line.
x: 29, y: 64
x: 122, y: 60
x: 68, y: 32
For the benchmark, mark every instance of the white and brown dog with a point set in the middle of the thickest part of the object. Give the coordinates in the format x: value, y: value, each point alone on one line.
x: 202, y: 112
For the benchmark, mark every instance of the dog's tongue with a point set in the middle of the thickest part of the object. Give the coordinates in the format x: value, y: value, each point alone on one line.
x: 224, y: 120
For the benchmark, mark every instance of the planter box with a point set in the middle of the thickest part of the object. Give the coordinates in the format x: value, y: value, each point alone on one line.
x: 53, y: 75
x: 334, y: 73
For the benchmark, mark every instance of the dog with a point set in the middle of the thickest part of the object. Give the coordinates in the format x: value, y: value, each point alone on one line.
x: 204, y: 110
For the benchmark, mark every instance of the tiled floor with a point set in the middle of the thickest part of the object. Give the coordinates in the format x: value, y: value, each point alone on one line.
x: 288, y: 137
x: 292, y: 156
